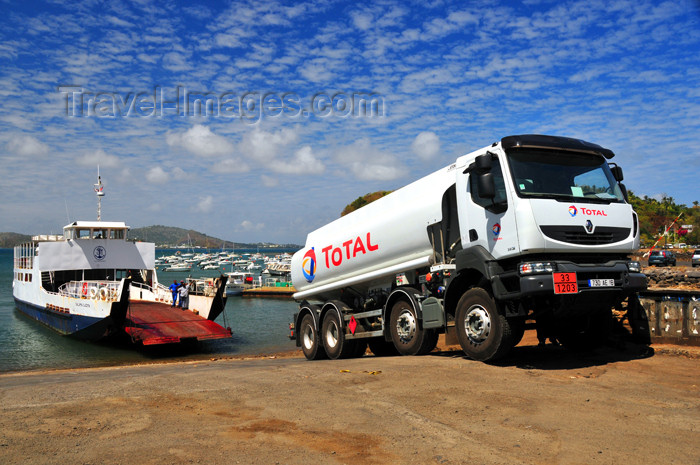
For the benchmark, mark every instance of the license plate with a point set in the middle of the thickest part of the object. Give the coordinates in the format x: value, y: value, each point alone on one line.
x: 601, y: 282
x: 565, y: 283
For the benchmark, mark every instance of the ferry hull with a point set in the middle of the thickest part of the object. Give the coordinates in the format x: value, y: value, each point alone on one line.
x: 77, y: 326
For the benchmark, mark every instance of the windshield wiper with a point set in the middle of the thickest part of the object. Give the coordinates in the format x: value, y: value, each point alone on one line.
x: 569, y: 198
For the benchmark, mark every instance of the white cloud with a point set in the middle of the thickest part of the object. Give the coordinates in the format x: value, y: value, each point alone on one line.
x: 98, y: 158
x: 303, y: 162
x: 264, y: 147
x: 157, y: 175
x: 205, y: 204
x: 247, y: 225
x: 426, y: 145
x: 369, y: 164
x: 200, y: 140
x: 230, y: 165
x: 27, y: 146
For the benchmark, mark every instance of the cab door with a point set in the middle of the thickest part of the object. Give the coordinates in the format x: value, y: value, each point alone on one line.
x: 484, y: 221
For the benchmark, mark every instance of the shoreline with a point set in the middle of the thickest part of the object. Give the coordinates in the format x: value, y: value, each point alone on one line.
x: 529, y: 341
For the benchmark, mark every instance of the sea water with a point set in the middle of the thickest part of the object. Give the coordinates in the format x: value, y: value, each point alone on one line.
x: 260, y: 326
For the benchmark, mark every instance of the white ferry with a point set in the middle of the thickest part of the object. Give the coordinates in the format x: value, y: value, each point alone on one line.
x: 91, y: 282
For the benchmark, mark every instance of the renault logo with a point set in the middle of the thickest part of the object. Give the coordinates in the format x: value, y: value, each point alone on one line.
x: 589, y: 226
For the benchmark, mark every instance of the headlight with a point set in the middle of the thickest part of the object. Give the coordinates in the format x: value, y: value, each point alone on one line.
x: 537, y: 267
x: 634, y: 267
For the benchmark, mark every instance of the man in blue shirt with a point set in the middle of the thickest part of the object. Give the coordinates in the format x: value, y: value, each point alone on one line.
x: 174, y: 288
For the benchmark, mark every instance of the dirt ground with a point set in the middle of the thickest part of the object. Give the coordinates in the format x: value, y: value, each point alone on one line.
x: 543, y: 405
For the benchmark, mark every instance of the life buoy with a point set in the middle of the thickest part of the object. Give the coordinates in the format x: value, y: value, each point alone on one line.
x: 103, y: 293
x: 85, y: 288
x: 93, y: 293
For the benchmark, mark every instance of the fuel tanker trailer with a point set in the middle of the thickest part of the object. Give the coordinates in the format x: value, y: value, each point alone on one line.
x: 531, y: 228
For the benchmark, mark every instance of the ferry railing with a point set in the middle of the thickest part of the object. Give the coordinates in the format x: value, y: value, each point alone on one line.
x: 142, y: 291
x: 279, y: 281
x: 96, y: 290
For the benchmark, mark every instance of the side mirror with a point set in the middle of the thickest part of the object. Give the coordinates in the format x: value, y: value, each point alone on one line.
x: 482, y: 163
x: 617, y: 173
x: 486, y: 186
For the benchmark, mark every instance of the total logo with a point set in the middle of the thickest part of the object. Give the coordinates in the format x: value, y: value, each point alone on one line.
x: 335, y: 255
x: 308, y: 265
x: 586, y: 211
x: 496, y: 230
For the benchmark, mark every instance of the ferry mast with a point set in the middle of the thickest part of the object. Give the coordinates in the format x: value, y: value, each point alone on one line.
x: 99, y: 191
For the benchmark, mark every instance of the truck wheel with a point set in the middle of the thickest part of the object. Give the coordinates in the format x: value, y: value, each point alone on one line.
x: 382, y: 348
x: 333, y: 338
x: 310, y: 342
x: 483, y: 332
x: 407, y: 336
x: 430, y: 342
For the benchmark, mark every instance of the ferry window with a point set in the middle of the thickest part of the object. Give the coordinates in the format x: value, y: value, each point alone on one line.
x: 83, y: 233
x: 118, y: 233
x: 498, y: 204
x: 100, y: 234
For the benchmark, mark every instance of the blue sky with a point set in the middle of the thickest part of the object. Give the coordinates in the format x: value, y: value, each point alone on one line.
x: 286, y: 139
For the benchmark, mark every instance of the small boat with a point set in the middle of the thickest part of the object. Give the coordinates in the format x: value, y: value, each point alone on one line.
x: 178, y: 267
x: 238, y: 281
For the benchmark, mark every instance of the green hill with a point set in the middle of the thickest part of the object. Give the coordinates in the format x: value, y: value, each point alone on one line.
x: 171, y: 236
x: 164, y: 236
x: 362, y: 201
x: 11, y: 239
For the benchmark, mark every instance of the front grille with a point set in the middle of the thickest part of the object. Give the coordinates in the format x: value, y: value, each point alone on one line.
x: 578, y: 234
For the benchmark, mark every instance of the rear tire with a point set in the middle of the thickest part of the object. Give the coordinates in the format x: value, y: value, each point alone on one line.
x: 333, y: 337
x: 407, y: 335
x: 310, y: 341
x: 483, y: 332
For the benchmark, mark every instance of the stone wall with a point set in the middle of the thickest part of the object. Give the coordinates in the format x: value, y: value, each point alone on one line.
x: 681, y: 277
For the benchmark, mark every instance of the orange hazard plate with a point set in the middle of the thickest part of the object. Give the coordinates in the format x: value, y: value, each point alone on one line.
x: 565, y: 283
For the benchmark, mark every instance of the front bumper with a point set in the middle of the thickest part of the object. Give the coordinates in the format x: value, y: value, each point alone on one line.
x: 510, y: 286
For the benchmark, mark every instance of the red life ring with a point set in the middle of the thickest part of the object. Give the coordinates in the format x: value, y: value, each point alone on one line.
x: 85, y: 288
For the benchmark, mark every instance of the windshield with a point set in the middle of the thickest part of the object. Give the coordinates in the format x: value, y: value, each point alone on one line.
x: 563, y: 175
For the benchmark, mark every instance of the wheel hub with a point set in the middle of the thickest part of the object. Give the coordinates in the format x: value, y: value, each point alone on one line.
x: 332, y: 335
x: 308, y: 338
x: 406, y: 326
x: 477, y: 324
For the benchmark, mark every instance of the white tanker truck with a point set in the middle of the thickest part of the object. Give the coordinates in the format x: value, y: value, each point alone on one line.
x: 532, y: 227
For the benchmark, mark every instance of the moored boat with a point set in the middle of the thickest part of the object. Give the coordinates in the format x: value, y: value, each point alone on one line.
x: 91, y: 283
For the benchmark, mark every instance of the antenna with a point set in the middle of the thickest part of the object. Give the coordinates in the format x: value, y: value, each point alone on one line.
x: 99, y: 191
x: 67, y: 214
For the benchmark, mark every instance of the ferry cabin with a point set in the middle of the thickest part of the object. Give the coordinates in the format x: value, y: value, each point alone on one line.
x: 90, y: 256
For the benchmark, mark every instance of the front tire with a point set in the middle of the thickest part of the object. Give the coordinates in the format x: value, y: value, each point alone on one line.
x: 406, y: 334
x: 483, y: 332
x: 310, y: 341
